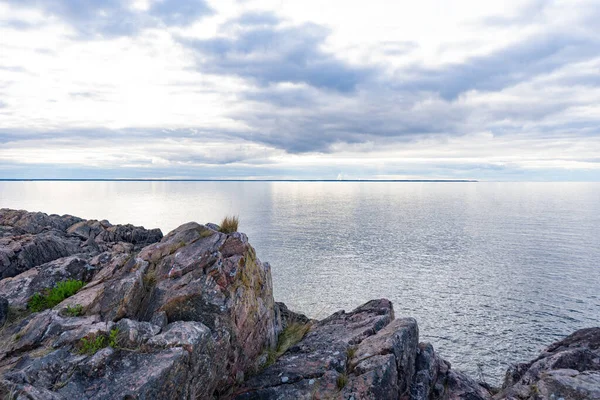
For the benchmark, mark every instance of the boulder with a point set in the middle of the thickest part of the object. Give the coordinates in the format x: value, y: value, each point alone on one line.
x: 568, y: 369
x: 35, y: 222
x: 186, y: 317
x: 361, y: 354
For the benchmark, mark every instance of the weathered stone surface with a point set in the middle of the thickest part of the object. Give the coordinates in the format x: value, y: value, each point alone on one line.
x: 566, y: 369
x: 288, y: 316
x: 3, y: 310
x: 21, y: 287
x: 22, y: 252
x: 209, y: 295
x: 30, y: 239
x: 35, y: 222
x: 206, y: 276
x: 358, y: 355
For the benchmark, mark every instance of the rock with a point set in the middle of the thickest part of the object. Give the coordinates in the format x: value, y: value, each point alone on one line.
x: 567, y: 369
x: 133, y: 334
x: 569, y: 384
x: 216, y: 279
x: 348, y: 354
x: 286, y: 315
x: 22, y: 252
x: 35, y: 222
x: 21, y: 287
x: 29, y: 239
x: 3, y: 311
x: 186, y: 317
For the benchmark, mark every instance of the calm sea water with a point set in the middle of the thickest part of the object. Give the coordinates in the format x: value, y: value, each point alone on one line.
x: 493, y: 272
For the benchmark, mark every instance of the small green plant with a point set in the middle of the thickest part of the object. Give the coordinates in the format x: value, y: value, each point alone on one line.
x: 37, y: 302
x: 342, y: 380
x: 350, y: 353
x: 92, y: 343
x: 74, y: 311
x: 51, y: 297
x: 229, y: 224
x: 113, y: 338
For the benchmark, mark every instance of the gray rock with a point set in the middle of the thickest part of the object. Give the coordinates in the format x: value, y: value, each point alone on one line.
x: 133, y: 334
x: 208, y: 293
x: 20, y: 253
x: 29, y: 239
x: 20, y: 288
x: 35, y: 222
x: 3, y: 311
x: 347, y: 354
x: 567, y: 369
x: 287, y: 316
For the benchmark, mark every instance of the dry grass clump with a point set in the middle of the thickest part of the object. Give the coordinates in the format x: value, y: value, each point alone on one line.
x: 229, y: 224
x: 292, y: 334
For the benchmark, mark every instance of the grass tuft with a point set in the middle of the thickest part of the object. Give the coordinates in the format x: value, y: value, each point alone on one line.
x: 113, y: 338
x: 291, y: 335
x: 342, y: 380
x: 229, y: 224
x: 51, y: 297
x: 95, y: 341
x: 206, y: 233
x: 149, y: 279
x: 92, y: 343
x: 74, y: 311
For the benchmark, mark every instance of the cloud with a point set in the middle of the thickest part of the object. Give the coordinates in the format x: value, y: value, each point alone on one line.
x: 268, y: 54
x: 509, y: 66
x: 114, y: 18
x: 263, y: 94
x: 180, y: 12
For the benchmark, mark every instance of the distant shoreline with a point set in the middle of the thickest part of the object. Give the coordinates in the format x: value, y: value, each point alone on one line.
x: 240, y: 180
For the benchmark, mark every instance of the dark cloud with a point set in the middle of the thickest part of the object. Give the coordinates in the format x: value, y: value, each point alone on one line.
x: 267, y: 54
x: 504, y: 68
x: 112, y: 18
x: 335, y: 102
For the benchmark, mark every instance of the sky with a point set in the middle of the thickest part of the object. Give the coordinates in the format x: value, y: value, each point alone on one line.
x: 311, y: 89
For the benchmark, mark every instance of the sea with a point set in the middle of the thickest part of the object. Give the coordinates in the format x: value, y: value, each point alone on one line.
x: 493, y: 272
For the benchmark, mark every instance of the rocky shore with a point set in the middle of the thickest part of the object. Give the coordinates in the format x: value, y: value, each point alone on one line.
x: 90, y: 310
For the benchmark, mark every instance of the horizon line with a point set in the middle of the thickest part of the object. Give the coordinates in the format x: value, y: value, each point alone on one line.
x: 225, y: 180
